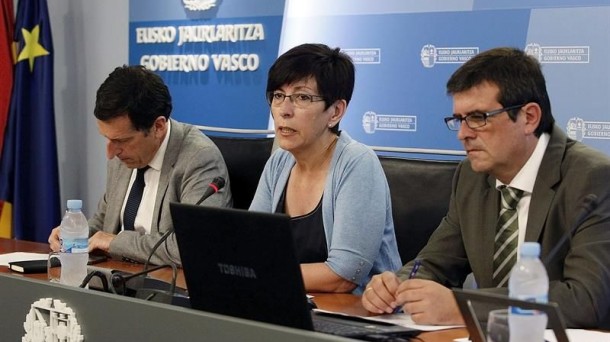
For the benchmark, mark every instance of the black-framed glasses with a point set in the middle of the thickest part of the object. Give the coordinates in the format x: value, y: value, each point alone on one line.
x: 300, y: 100
x: 476, y: 119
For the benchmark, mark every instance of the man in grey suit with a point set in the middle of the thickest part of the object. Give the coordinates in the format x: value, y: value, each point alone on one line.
x: 502, y: 114
x: 177, y: 163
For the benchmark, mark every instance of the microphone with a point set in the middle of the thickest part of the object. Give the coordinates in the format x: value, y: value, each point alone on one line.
x: 148, y: 288
x: 216, y: 184
x: 588, y: 204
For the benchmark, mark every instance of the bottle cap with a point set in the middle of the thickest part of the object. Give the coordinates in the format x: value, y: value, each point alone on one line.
x: 75, y: 204
x: 531, y: 249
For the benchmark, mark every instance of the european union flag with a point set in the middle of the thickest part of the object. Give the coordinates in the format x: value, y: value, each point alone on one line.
x: 29, y: 182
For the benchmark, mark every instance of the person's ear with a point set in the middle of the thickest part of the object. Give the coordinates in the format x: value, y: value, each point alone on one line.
x: 338, y: 108
x: 533, y: 115
x: 160, y: 126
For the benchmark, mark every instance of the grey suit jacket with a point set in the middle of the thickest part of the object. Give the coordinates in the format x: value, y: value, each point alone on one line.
x: 191, y: 162
x: 579, y: 273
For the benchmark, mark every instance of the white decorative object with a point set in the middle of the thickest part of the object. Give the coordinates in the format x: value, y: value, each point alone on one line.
x: 50, y: 320
x: 199, y: 5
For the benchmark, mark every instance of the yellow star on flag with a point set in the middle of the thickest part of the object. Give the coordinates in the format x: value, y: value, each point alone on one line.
x: 32, y: 48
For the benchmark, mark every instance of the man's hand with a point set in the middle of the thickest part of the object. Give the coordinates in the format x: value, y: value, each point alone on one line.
x: 379, y: 295
x: 429, y: 302
x: 101, y: 240
x: 54, y: 242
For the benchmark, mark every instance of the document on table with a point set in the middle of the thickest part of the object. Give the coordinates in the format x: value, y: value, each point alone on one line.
x: 575, y: 335
x: 580, y: 335
x: 401, y: 319
x: 21, y: 256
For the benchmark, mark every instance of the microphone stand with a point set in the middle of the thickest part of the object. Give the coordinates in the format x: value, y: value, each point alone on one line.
x: 157, y: 244
x: 587, y: 205
x: 119, y: 280
x: 98, y: 274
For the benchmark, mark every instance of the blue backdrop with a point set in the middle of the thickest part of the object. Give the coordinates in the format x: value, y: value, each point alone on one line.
x: 404, y: 53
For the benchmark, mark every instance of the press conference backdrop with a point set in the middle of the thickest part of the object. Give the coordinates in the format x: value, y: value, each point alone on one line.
x: 214, y: 55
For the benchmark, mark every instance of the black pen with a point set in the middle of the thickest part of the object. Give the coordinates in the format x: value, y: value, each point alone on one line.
x: 412, y: 275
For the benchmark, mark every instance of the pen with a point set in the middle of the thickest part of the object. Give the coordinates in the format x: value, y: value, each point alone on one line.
x: 416, y: 265
x: 415, y: 268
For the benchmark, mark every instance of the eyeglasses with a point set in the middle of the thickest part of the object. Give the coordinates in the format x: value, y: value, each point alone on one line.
x: 475, y: 119
x: 299, y: 100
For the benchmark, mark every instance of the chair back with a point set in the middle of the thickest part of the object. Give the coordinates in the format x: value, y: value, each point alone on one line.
x: 420, y: 191
x: 245, y: 159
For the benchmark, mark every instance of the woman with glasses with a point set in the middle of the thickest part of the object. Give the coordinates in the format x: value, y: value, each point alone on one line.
x: 331, y: 186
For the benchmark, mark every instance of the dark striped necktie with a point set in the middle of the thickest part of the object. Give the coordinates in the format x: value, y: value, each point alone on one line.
x: 134, y: 199
x: 507, y: 236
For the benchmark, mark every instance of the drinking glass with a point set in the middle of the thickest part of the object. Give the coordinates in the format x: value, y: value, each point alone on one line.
x: 54, y: 267
x: 497, y: 326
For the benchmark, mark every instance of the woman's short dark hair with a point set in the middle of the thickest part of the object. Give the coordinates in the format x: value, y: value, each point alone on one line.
x: 518, y: 76
x: 332, y: 69
x: 136, y: 92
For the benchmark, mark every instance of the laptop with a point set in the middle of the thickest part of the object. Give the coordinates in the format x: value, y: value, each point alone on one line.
x: 242, y: 264
x: 469, y: 299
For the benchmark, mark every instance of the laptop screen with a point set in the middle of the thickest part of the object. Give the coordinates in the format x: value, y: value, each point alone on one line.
x: 241, y: 263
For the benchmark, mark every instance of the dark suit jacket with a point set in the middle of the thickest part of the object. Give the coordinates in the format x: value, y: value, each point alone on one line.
x: 191, y: 162
x: 580, y: 272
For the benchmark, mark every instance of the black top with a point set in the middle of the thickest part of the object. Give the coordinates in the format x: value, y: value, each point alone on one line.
x: 307, y: 232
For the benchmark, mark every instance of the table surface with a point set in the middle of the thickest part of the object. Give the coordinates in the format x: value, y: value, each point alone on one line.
x: 340, y: 302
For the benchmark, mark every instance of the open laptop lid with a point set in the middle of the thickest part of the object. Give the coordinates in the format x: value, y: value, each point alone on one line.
x: 467, y: 299
x: 241, y: 263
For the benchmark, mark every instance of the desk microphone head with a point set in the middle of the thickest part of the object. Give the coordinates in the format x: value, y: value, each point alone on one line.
x: 217, y: 183
x: 215, y: 186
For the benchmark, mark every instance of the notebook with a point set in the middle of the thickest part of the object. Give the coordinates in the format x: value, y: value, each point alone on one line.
x: 468, y: 299
x: 241, y: 263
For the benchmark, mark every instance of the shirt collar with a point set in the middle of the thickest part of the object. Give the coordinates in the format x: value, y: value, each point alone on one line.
x: 526, y: 177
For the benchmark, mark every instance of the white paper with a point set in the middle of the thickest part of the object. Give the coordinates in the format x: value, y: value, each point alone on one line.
x: 21, y: 256
x: 405, y: 320
x: 401, y: 319
x: 580, y: 335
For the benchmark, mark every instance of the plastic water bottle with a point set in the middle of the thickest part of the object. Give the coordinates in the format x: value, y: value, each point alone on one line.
x: 74, y: 238
x: 528, y: 281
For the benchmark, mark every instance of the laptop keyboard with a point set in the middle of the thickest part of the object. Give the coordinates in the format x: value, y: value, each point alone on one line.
x: 352, y: 328
x: 341, y: 329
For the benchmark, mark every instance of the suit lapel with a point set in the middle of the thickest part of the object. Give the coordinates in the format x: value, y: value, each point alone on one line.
x: 548, y: 176
x: 490, y: 208
x: 169, y: 160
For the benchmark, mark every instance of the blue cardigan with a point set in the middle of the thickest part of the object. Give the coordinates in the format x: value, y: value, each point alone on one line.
x: 356, y: 210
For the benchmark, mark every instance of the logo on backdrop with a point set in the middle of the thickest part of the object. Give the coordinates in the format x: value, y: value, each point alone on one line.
x: 51, y: 317
x: 199, y: 5
x: 431, y: 55
x: 372, y: 122
x: 558, y: 54
x: 579, y: 129
x: 428, y: 55
x: 364, y: 56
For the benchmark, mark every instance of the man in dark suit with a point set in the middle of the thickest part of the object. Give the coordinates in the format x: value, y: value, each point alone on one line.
x: 177, y: 160
x: 502, y: 115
